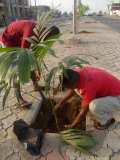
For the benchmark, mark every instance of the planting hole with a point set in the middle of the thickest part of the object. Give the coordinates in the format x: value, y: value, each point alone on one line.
x: 46, y: 119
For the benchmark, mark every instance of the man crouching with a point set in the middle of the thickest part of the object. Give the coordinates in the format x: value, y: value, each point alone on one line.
x: 100, y: 92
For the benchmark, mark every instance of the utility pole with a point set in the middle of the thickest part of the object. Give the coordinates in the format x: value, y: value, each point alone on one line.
x: 75, y: 17
x: 79, y: 3
x: 52, y: 6
x: 30, y: 3
x: 35, y: 3
x: 36, y: 8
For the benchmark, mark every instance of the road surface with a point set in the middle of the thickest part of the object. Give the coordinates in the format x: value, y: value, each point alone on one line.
x: 112, y: 21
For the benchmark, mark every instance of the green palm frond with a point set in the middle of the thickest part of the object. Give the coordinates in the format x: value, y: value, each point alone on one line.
x: 67, y: 62
x: 7, y: 91
x: 8, y: 49
x: 74, y: 61
x: 20, y: 63
x: 41, y: 43
x: 81, y: 140
x: 49, y: 78
x: 7, y: 60
x: 26, y: 64
x: 41, y: 50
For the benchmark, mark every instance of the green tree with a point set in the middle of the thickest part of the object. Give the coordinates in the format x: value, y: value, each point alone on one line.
x: 82, y: 9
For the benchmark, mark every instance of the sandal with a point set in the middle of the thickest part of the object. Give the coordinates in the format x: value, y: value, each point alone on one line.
x: 97, y: 125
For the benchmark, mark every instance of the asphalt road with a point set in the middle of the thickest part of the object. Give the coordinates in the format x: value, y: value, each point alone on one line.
x: 112, y: 21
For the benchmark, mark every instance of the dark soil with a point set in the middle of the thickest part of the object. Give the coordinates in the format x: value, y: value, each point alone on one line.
x: 46, y: 120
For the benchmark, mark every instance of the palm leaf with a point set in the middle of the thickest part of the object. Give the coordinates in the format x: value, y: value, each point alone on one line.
x: 7, y: 91
x: 41, y: 50
x: 53, y: 40
x: 73, y: 61
x: 81, y: 140
x: 32, y: 40
x: 49, y: 78
x: 45, y: 18
x: 6, y: 63
x: 2, y: 86
x: 8, y: 84
x: 24, y: 67
x: 8, y: 49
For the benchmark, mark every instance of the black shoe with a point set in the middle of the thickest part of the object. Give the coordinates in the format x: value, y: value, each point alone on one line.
x: 106, y: 126
x: 35, y: 149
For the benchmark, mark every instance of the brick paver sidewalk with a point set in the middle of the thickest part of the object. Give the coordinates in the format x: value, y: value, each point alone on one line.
x: 104, y: 44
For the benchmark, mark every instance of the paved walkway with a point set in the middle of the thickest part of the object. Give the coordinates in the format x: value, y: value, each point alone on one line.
x: 104, y: 44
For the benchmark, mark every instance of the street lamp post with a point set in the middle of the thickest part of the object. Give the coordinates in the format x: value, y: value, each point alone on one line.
x: 36, y: 8
x: 74, y: 17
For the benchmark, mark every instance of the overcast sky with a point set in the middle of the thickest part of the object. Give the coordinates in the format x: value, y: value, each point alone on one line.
x: 67, y: 5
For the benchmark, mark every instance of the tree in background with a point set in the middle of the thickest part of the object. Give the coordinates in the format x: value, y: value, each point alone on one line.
x: 82, y: 9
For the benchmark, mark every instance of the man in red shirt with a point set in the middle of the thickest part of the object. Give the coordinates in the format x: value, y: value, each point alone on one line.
x: 100, y: 92
x: 15, y: 35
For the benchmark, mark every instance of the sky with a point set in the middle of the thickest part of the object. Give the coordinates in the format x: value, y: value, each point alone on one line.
x: 67, y: 5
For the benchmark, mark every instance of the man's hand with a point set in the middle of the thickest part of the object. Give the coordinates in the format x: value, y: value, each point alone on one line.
x: 68, y: 126
x: 78, y: 119
x: 63, y: 100
x: 56, y: 108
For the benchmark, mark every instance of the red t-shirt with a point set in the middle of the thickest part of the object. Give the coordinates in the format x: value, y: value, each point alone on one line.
x: 16, y: 32
x: 95, y: 83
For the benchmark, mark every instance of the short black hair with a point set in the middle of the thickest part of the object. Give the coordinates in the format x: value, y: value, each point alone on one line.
x: 70, y: 77
x: 53, y: 31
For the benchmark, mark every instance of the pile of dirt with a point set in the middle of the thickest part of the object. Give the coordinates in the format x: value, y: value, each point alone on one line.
x: 46, y: 119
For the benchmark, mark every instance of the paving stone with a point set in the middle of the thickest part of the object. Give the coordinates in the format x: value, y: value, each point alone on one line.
x: 17, y: 147
x: 54, y: 156
x: 73, y: 154
x: 116, y: 157
x: 10, y: 132
x: 102, y: 158
x: 14, y: 156
x: 6, y: 149
x: 0, y: 127
x: 4, y: 113
x: 104, y: 152
x: 113, y: 141
x: 105, y: 46
x: 8, y: 121
x: 3, y: 135
x: 24, y: 155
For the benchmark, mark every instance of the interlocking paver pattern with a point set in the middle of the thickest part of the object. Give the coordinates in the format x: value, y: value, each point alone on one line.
x: 104, y: 44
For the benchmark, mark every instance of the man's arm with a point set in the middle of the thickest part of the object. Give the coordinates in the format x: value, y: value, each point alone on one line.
x: 81, y: 115
x: 87, y: 98
x: 24, y: 42
x: 28, y: 32
x: 64, y: 99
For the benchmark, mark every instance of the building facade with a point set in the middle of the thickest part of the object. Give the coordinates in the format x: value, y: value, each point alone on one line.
x: 38, y: 10
x: 13, y: 9
x: 114, y: 8
x: 2, y: 12
x: 17, y: 8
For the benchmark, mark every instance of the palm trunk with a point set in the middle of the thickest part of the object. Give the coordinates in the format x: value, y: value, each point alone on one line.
x: 36, y: 85
x: 17, y: 92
